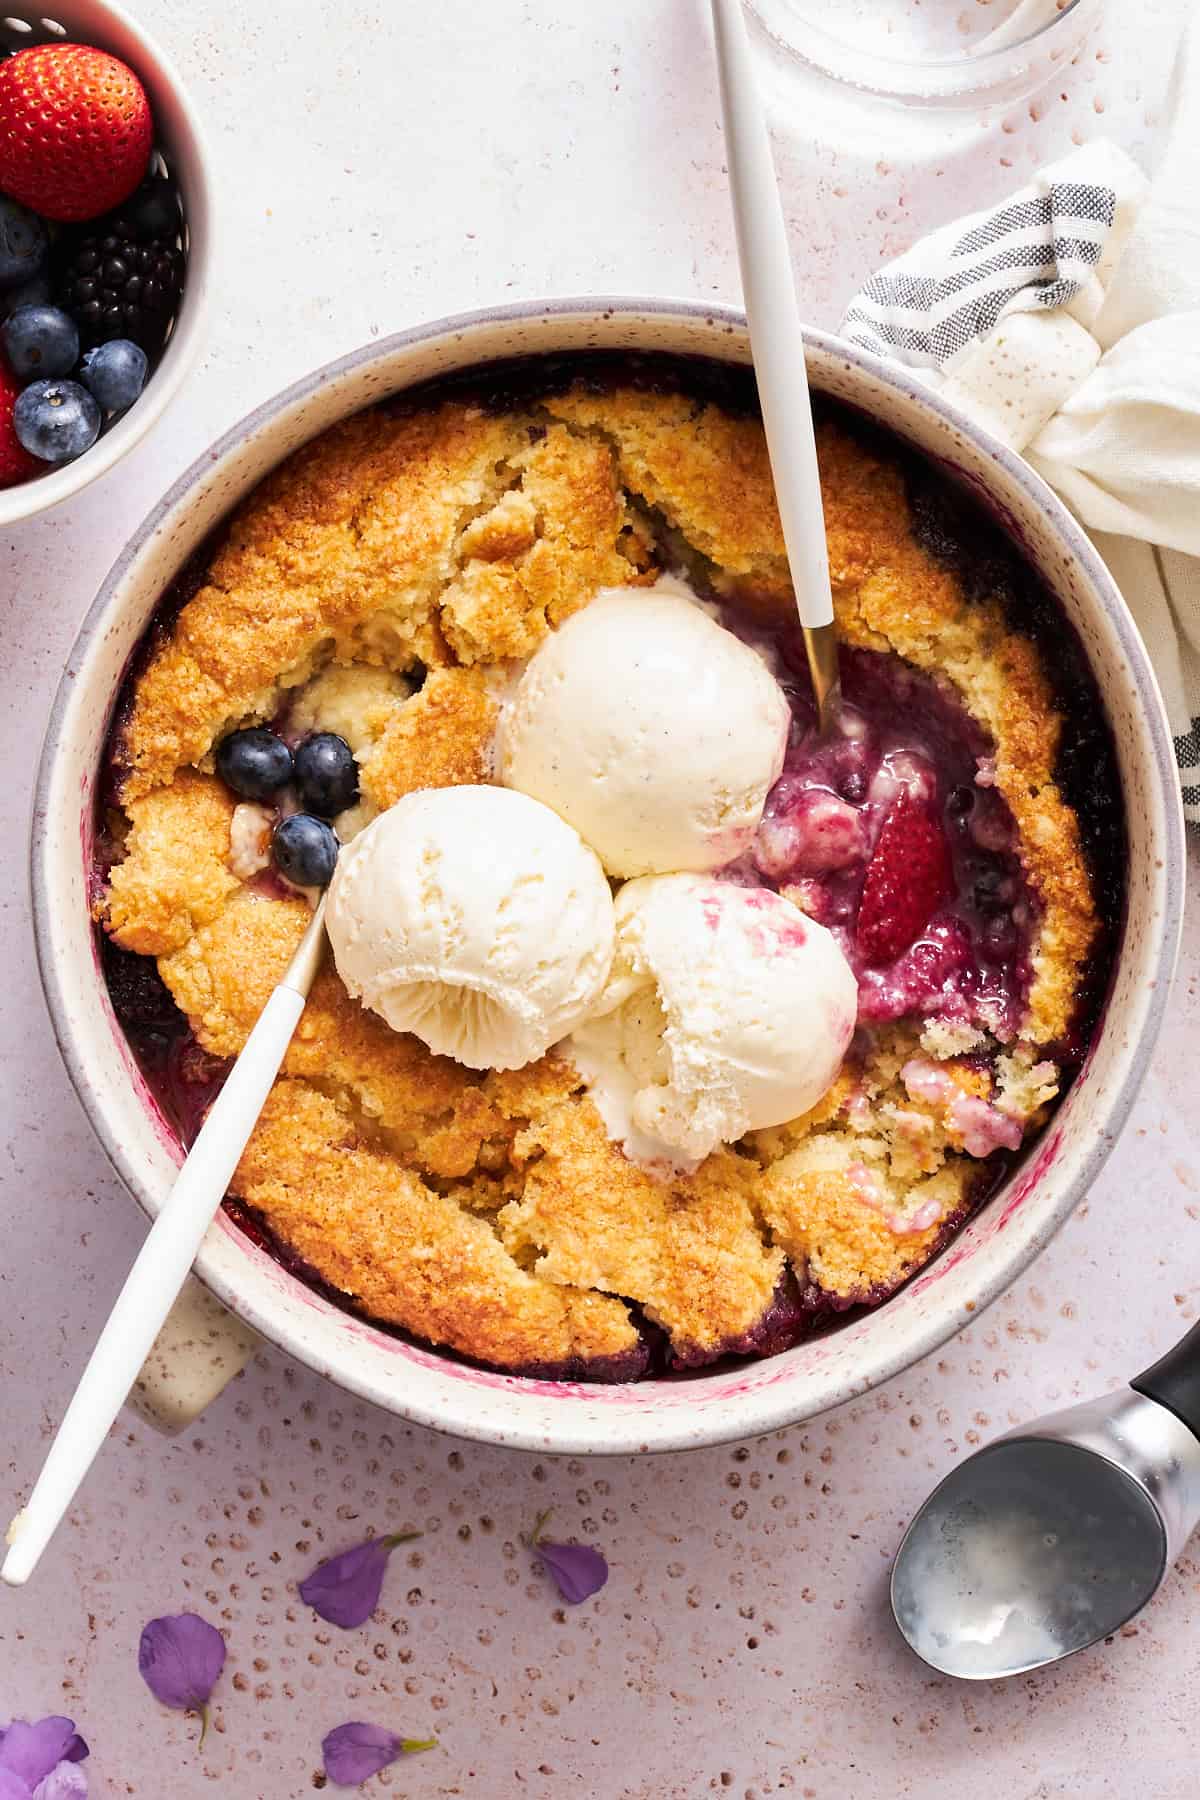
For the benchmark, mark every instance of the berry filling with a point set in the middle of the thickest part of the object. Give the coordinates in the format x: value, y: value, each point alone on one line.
x: 183, y: 1077
x: 891, y: 835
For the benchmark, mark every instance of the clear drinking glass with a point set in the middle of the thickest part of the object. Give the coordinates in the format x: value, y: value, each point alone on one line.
x: 949, y: 54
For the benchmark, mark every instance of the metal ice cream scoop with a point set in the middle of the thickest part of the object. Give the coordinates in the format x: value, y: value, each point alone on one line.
x: 1055, y: 1535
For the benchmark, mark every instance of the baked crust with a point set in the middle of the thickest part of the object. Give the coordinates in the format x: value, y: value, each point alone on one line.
x: 490, y: 1212
x: 175, y: 877
x: 388, y: 541
x: 442, y: 738
x: 405, y: 1252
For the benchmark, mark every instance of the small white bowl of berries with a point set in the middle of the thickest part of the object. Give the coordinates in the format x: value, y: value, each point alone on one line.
x: 104, y: 246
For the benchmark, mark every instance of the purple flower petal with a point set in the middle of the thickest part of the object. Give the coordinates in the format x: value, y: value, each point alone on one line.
x: 179, y: 1659
x: 578, y: 1570
x: 67, y: 1782
x: 345, y: 1590
x: 31, y: 1751
x: 355, y: 1752
x: 12, y: 1787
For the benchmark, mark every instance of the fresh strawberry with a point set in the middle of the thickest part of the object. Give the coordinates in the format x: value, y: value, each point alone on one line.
x: 75, y: 130
x: 16, y: 464
x: 907, y: 878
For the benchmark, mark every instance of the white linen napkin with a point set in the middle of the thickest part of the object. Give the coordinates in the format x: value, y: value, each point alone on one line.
x: 1067, y: 319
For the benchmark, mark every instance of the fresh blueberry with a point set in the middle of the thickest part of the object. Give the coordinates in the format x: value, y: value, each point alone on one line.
x: 22, y: 243
x: 34, y: 292
x: 115, y: 373
x: 40, y: 340
x: 326, y: 774
x: 56, y: 420
x: 305, y: 850
x: 254, y: 763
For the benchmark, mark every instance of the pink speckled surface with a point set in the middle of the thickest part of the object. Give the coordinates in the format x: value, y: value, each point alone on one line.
x: 395, y: 164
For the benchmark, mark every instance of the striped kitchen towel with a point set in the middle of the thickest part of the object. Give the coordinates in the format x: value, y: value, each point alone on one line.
x: 1067, y: 319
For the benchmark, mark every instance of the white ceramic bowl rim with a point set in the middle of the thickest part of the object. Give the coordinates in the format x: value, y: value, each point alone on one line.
x: 771, y: 1408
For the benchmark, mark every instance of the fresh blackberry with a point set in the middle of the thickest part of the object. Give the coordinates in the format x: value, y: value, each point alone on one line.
x: 120, y: 276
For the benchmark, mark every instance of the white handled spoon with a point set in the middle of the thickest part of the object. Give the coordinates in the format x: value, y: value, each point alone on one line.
x: 777, y: 345
x: 163, y: 1261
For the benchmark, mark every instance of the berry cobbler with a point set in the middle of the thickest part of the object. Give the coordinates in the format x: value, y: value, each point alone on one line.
x: 759, y: 1015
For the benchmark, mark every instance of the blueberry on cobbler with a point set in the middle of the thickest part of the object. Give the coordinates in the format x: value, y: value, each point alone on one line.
x: 787, y: 1061
x: 305, y: 850
x: 255, y: 763
x: 326, y: 774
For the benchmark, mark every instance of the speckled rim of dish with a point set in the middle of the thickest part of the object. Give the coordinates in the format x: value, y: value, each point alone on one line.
x: 772, y: 1408
x: 177, y: 124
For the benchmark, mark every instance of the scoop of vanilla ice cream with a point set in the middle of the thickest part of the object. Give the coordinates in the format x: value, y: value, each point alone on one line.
x: 726, y: 1010
x: 476, y: 919
x: 651, y: 729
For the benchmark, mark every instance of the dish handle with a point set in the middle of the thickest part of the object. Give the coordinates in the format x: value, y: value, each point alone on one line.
x: 197, y: 1353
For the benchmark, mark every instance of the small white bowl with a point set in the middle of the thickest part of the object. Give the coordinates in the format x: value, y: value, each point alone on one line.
x: 177, y: 133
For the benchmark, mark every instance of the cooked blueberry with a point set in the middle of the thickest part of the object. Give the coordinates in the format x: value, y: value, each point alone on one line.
x: 139, y: 995
x: 40, y: 340
x: 988, y: 892
x: 326, y: 774
x: 115, y: 373
x: 22, y: 243
x: 305, y: 850
x: 851, y: 766
x: 56, y: 420
x: 254, y: 763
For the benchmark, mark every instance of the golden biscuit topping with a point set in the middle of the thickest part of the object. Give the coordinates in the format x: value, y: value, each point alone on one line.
x: 381, y: 584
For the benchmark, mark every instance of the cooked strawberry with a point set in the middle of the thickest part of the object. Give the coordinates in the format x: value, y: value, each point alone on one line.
x: 907, y: 879
x: 75, y: 130
x: 16, y: 464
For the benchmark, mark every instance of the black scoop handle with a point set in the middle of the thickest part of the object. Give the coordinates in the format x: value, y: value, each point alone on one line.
x: 1174, y: 1381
